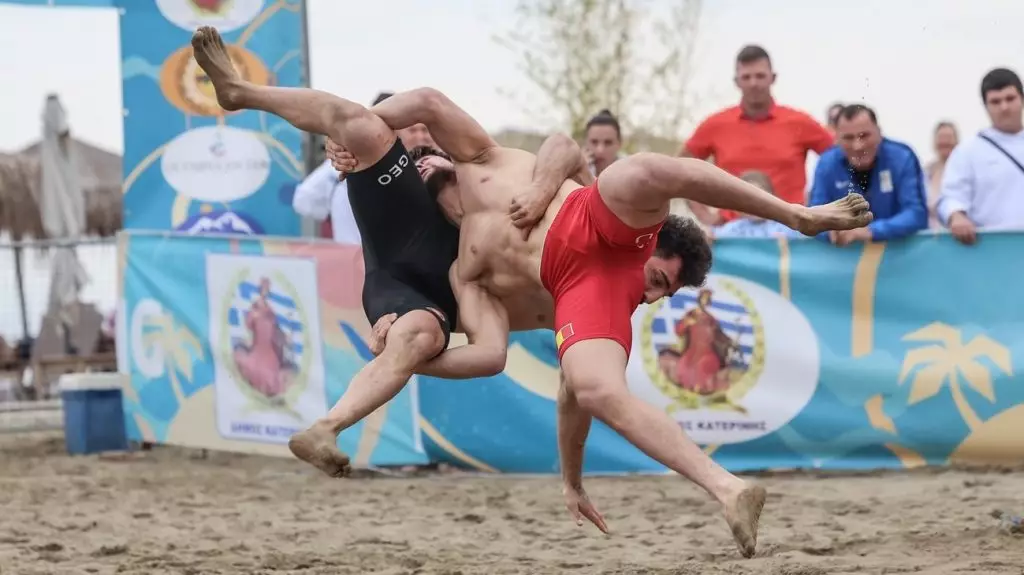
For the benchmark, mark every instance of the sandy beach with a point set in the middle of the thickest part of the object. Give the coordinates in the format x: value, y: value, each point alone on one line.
x: 172, y: 511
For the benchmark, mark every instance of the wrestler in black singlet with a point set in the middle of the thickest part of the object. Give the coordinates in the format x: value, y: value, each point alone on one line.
x: 408, y: 244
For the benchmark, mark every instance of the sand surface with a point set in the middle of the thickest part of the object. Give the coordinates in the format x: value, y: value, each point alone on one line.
x: 169, y: 511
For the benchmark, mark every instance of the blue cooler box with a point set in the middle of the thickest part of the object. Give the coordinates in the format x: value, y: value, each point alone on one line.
x: 93, y: 413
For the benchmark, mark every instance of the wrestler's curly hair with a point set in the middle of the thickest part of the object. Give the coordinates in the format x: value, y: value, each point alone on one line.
x: 683, y: 237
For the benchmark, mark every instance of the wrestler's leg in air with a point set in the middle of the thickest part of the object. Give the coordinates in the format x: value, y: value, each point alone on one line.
x: 594, y: 371
x: 638, y: 189
x: 416, y: 336
x: 365, y: 135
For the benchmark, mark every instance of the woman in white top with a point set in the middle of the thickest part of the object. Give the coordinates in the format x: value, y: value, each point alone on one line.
x: 945, y: 138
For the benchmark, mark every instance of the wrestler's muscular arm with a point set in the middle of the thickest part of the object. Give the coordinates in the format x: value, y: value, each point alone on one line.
x: 455, y: 131
x: 485, y: 322
x: 559, y: 159
x: 573, y: 428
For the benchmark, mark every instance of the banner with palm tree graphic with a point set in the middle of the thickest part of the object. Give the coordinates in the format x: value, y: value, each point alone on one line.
x: 794, y: 354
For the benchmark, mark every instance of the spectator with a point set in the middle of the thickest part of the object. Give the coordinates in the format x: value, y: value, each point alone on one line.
x: 603, y: 141
x: 321, y: 196
x: 832, y: 117
x: 748, y: 226
x: 945, y: 138
x: 983, y: 184
x: 886, y: 172
x: 758, y: 134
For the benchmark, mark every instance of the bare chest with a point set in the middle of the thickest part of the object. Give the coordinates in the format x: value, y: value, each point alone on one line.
x: 491, y: 253
x: 530, y: 309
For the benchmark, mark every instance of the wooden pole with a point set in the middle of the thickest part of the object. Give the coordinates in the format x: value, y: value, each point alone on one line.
x: 21, y: 290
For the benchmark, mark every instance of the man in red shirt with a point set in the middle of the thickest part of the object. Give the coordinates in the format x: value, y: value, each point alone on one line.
x: 758, y: 135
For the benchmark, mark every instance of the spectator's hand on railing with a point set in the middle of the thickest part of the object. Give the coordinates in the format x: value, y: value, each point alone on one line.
x: 379, y: 333
x: 341, y: 159
x: 847, y: 237
x: 963, y: 229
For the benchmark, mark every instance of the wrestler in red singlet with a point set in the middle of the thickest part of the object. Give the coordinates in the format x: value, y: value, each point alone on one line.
x: 593, y: 266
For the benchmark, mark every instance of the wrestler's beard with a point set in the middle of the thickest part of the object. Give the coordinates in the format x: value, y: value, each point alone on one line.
x: 437, y: 180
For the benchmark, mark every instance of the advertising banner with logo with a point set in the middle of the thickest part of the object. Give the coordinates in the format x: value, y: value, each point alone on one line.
x: 189, y: 165
x: 794, y: 354
x: 237, y: 343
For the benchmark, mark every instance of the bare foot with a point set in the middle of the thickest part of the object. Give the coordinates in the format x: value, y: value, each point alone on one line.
x: 742, y: 512
x: 211, y: 55
x: 318, y: 447
x: 847, y: 213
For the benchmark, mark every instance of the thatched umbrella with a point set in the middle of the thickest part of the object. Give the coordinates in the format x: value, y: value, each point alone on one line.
x: 20, y: 184
x: 20, y: 188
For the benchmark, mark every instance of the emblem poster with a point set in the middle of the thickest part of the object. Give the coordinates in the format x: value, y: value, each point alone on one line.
x: 265, y: 341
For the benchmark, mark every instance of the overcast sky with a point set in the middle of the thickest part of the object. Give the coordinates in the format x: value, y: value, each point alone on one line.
x: 915, y: 66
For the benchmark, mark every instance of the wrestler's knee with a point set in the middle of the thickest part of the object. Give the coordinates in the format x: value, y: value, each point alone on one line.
x: 429, y: 101
x: 416, y: 337
x: 338, y: 112
x: 602, y: 396
x: 359, y: 130
x: 635, y: 188
x: 637, y: 171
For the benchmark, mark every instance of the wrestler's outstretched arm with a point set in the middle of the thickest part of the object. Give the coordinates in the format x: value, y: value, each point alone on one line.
x: 573, y: 428
x: 455, y: 131
x: 485, y: 321
x: 559, y: 159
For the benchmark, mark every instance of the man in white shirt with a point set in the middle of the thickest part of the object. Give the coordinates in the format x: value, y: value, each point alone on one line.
x: 983, y: 184
x: 322, y: 195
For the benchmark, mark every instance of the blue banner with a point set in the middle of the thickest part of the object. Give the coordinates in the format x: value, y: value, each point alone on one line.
x: 188, y: 165
x: 65, y: 3
x: 236, y: 344
x: 796, y: 354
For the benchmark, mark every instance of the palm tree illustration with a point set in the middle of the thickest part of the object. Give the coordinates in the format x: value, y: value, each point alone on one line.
x: 180, y: 347
x: 953, y: 362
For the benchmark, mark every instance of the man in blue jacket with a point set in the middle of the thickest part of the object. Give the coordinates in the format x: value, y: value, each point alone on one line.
x: 887, y: 173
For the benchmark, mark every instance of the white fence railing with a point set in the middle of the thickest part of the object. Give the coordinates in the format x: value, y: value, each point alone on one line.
x: 22, y: 416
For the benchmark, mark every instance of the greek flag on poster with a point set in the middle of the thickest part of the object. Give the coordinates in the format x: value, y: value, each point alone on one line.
x: 285, y: 310
x: 733, y: 319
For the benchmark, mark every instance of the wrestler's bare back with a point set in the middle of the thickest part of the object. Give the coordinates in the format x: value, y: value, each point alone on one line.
x: 492, y: 252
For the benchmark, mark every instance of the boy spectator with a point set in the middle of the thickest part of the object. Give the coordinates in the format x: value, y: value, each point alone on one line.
x: 747, y: 226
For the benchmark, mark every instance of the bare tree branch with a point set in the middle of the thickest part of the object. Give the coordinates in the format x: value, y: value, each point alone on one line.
x: 586, y: 55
